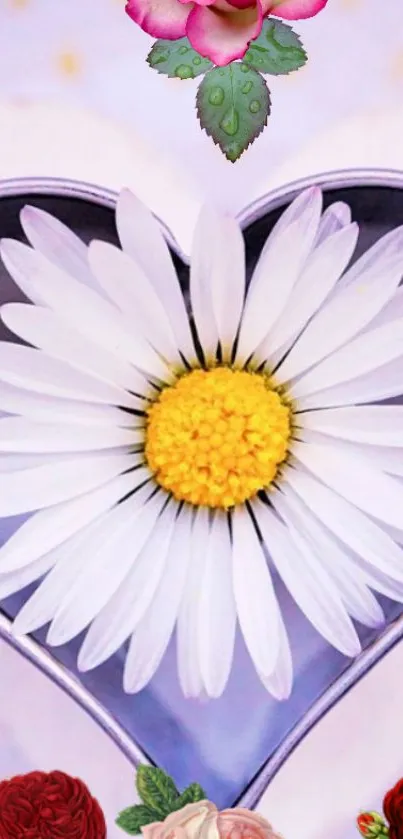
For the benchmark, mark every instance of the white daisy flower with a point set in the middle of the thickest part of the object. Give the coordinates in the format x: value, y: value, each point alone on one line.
x: 171, y: 464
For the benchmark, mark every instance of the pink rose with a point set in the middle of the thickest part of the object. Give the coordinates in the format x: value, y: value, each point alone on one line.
x: 204, y: 821
x: 220, y: 30
x: 243, y: 824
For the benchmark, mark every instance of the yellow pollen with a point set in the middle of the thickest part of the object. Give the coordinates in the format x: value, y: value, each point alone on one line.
x: 216, y: 437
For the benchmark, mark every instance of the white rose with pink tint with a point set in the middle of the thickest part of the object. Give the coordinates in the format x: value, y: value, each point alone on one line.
x: 203, y: 821
x: 220, y: 30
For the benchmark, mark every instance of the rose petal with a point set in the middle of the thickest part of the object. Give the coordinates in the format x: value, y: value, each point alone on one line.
x: 296, y: 9
x: 161, y: 18
x: 240, y: 822
x: 200, y: 2
x: 152, y: 831
x: 223, y: 36
x: 240, y: 4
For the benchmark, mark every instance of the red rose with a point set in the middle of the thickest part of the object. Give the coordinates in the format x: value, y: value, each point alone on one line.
x: 51, y: 805
x: 393, y: 809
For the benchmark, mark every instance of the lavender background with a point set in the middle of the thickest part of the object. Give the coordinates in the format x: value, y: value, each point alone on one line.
x: 87, y: 56
x: 60, y: 64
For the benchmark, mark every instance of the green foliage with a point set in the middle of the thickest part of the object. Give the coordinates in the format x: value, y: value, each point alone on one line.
x: 134, y: 818
x: 156, y: 789
x: 233, y: 104
x: 277, y: 50
x: 160, y: 798
x: 177, y: 59
x: 191, y: 794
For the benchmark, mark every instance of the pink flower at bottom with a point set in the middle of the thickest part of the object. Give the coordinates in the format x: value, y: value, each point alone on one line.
x: 202, y: 820
x: 220, y: 30
x: 238, y: 823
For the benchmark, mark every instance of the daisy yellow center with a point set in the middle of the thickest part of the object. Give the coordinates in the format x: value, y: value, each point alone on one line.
x: 217, y: 437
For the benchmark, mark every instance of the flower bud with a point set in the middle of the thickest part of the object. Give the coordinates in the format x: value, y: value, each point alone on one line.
x: 371, y: 825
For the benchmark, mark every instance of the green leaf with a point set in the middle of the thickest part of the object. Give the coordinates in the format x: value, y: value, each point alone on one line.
x: 157, y: 790
x: 191, y: 794
x: 233, y: 104
x: 177, y: 59
x: 134, y: 818
x: 277, y: 50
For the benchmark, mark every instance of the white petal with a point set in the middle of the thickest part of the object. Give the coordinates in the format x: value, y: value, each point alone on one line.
x: 322, y: 270
x: 291, y: 214
x: 67, y: 560
x: 203, y: 258
x: 365, y: 353
x: 345, y: 315
x: 35, y: 371
x: 382, y: 583
x: 151, y: 637
x: 188, y: 617
x: 53, y: 409
x: 384, y: 458
x: 319, y: 597
x: 348, y: 523
x: 227, y: 280
x: 336, y: 216
x: 18, y: 434
x: 377, y: 424
x: 81, y: 307
x: 387, y: 458
x: 274, y: 277
x: 217, y: 634
x: 384, y: 383
x: 16, y: 462
x: 52, y: 483
x: 359, y: 601
x: 142, y: 239
x: 307, y: 581
x: 387, y: 249
x: 280, y: 682
x: 18, y: 273
x: 105, y: 565
x: 47, y: 331
x: 126, y: 608
x: 392, y: 311
x: 18, y: 580
x: 130, y: 290
x: 355, y: 478
x: 256, y: 602
x: 49, y: 528
x: 56, y: 242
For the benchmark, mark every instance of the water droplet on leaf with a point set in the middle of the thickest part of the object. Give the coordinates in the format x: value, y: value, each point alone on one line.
x: 216, y: 96
x: 159, y: 59
x: 244, y: 68
x: 233, y: 151
x: 247, y: 87
x: 197, y: 59
x: 254, y: 106
x: 183, y: 50
x: 230, y: 122
x: 184, y: 71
